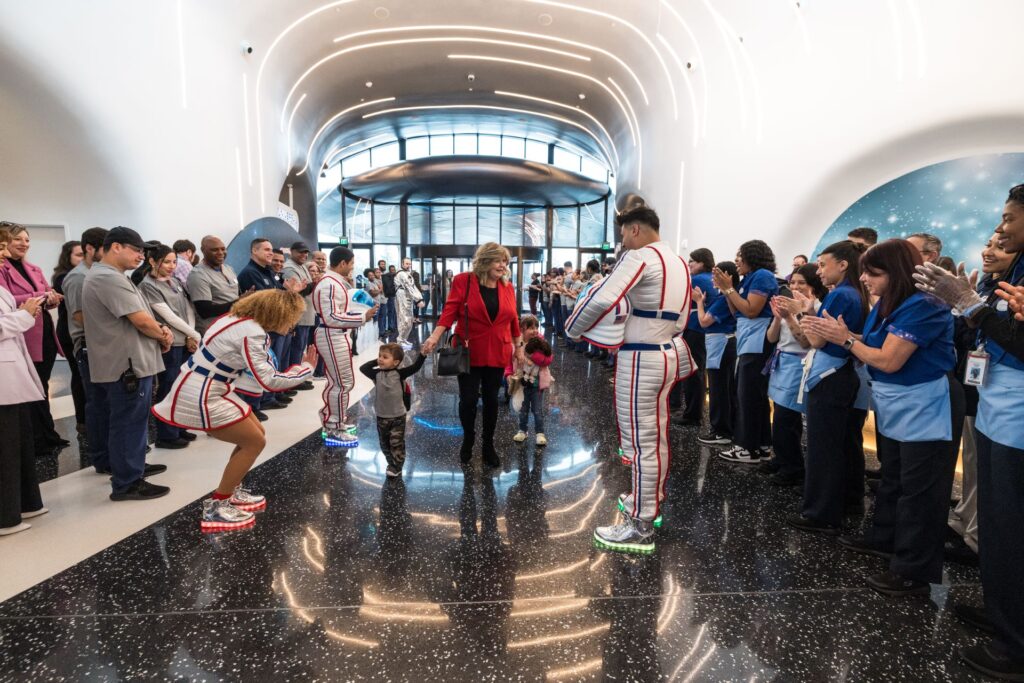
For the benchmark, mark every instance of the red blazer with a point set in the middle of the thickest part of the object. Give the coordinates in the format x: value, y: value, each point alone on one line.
x: 13, y: 282
x: 490, y: 343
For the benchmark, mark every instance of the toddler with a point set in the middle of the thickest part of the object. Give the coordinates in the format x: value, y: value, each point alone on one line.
x: 535, y: 377
x: 390, y: 401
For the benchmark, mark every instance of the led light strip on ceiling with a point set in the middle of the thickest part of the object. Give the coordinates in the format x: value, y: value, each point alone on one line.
x: 639, y: 147
x: 700, y: 59
x: 332, y: 156
x: 289, y: 138
x: 607, y: 156
x: 309, y: 152
x: 570, y: 108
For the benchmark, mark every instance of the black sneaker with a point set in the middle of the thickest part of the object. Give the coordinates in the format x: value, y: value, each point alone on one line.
x: 260, y: 415
x: 290, y: 393
x: 783, y: 479
x: 811, y: 525
x: 188, y: 436
x: 150, y: 469
x: 741, y: 455
x: 280, y: 398
x: 173, y: 445
x: 141, y: 490
x: 713, y: 439
x: 891, y: 583
x: 274, y: 405
x: 985, y: 659
x: 862, y: 545
x: 305, y: 386
x: 975, y: 616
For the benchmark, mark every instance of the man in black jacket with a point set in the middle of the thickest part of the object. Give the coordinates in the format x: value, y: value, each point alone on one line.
x: 388, y: 279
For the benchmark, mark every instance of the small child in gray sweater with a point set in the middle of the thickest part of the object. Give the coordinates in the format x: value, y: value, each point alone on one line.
x: 390, y: 401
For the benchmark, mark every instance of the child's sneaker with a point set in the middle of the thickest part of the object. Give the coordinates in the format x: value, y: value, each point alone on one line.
x: 542, y: 440
x: 243, y: 500
x: 519, y: 437
x: 221, y: 515
x: 393, y: 472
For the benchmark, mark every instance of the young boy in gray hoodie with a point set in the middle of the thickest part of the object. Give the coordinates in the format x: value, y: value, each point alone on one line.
x: 391, y: 401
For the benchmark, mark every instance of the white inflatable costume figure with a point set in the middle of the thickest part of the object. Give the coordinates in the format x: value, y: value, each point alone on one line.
x: 407, y: 295
x: 204, y: 394
x: 653, y: 356
x: 339, y: 314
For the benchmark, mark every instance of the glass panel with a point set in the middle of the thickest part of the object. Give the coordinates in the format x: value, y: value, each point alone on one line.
x: 465, y: 144
x: 537, y: 151
x: 384, y: 155
x: 440, y: 145
x: 357, y: 217
x: 419, y: 221
x: 417, y: 147
x: 594, y: 170
x: 356, y: 164
x: 592, y: 225
x: 362, y: 261
x: 489, y: 218
x: 328, y: 216
x: 567, y: 160
x: 330, y: 182
x: 560, y: 256
x: 513, y: 147
x: 391, y: 253
x: 512, y: 226
x: 490, y: 145
x: 565, y: 228
x: 465, y: 225
x: 441, y: 225
x: 534, y: 228
x: 386, y: 223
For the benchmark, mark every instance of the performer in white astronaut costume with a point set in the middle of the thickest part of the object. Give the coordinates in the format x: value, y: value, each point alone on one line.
x: 203, y: 396
x: 338, y: 315
x: 409, y: 297
x: 653, y: 357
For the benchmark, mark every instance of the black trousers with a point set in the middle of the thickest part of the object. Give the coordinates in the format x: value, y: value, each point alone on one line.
x: 787, y: 431
x: 485, y: 382
x: 77, y: 388
x: 722, y: 392
x: 754, y: 428
x: 693, y: 388
x: 835, y: 447
x: 391, y: 434
x: 1001, y: 541
x: 19, y: 487
x: 44, y: 433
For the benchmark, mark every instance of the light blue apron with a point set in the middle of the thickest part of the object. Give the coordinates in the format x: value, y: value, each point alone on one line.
x: 784, y: 382
x: 919, y: 412
x: 999, y: 403
x: 822, y: 365
x: 863, y: 400
x: 715, y: 344
x: 750, y: 334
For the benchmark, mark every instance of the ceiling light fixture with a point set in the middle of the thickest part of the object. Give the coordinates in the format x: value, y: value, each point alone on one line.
x: 634, y: 132
x: 245, y: 116
x: 604, y: 149
x: 576, y: 109
x: 309, y: 152
x: 291, y: 118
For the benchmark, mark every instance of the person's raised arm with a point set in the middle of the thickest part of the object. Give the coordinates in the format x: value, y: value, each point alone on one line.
x: 600, y: 300
x: 257, y: 358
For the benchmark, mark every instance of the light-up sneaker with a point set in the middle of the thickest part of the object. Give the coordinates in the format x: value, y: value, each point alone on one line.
x: 339, y: 439
x: 628, y: 536
x: 243, y: 499
x: 622, y: 509
x: 221, y: 515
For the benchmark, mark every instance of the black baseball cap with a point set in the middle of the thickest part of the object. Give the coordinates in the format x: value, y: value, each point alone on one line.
x: 300, y: 246
x: 123, y: 235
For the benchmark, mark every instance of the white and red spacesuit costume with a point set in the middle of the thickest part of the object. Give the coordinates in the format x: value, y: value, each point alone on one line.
x: 653, y: 357
x: 338, y: 315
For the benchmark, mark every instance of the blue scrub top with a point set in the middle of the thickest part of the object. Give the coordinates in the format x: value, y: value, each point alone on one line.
x: 702, y: 280
x: 925, y: 321
x: 725, y: 321
x: 844, y: 300
x: 761, y: 282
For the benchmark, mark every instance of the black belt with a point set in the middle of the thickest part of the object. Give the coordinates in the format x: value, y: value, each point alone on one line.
x: 220, y: 366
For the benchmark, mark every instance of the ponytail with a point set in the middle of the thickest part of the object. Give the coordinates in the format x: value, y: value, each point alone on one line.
x: 851, y: 252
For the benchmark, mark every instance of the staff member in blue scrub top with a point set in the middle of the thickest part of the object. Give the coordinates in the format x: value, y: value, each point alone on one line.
x: 719, y: 325
x: 787, y: 367
x: 756, y: 263
x: 693, y: 388
x: 1000, y: 432
x: 907, y: 344
x: 834, y: 478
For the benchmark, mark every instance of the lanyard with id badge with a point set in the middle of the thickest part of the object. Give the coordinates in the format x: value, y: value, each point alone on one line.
x: 977, y: 367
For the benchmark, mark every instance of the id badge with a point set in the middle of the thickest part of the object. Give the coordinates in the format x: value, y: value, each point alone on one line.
x: 977, y: 368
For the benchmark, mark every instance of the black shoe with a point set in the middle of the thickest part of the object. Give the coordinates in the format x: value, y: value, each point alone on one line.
x: 767, y: 467
x: 149, y: 470
x: 466, y: 452
x: 58, y: 443
x: 862, y: 545
x: 959, y: 552
x: 173, y: 445
x: 872, y: 474
x: 975, y: 616
x: 491, y: 458
x: 282, y: 399
x: 995, y: 664
x: 305, y: 386
x: 290, y: 393
x: 780, y: 479
x: 141, y: 490
x: 260, y: 415
x: 811, y: 525
x: 714, y: 439
x: 188, y: 436
x: 274, y: 405
x: 891, y: 583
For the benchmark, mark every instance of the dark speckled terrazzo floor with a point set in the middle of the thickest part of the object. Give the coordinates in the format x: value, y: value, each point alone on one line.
x: 472, y: 578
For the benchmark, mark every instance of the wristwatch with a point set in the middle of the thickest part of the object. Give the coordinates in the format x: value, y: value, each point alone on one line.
x: 731, y: 290
x: 848, y: 344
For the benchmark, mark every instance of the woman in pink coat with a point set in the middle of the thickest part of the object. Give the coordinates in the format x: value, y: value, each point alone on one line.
x: 19, y: 488
x: 26, y: 281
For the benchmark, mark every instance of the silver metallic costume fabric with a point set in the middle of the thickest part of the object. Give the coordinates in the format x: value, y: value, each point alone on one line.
x: 407, y: 295
x: 203, y: 396
x: 333, y: 343
x: 653, y: 358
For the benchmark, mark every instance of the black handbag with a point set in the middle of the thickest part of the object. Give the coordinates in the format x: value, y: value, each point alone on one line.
x: 453, y: 360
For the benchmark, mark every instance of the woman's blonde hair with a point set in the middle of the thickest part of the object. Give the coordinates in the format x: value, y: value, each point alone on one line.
x: 486, y: 255
x: 12, y: 229
x: 272, y: 309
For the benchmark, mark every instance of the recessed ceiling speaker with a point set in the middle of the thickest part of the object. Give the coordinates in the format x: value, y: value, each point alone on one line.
x: 382, y: 13
x: 545, y: 19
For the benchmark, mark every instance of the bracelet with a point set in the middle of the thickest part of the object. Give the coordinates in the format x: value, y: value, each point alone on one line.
x: 731, y: 290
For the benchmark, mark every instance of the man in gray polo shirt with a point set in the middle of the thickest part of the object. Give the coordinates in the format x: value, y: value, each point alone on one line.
x: 212, y: 285
x: 92, y: 252
x: 125, y: 346
x: 302, y: 338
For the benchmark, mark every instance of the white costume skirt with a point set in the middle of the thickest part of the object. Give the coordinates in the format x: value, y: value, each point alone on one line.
x: 199, y: 402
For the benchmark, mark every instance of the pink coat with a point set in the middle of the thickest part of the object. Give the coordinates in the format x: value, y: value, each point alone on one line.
x: 12, y: 280
x: 20, y: 382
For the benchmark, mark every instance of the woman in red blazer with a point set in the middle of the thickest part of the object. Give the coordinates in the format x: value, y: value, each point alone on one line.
x: 493, y: 335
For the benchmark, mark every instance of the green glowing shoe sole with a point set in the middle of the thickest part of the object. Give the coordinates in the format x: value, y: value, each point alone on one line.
x: 633, y: 548
x: 657, y: 520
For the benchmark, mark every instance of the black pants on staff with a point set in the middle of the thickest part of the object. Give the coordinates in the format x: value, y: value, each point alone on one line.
x: 787, y: 432
x: 19, y: 487
x: 912, y: 503
x: 693, y: 388
x: 722, y: 392
x: 1001, y: 540
x: 480, y: 382
x: 44, y: 434
x: 754, y: 428
x: 835, y: 447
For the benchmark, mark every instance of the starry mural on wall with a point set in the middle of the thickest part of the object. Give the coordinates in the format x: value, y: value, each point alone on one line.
x: 959, y: 201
